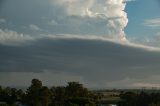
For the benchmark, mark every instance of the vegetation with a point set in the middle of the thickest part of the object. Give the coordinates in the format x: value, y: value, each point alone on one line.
x: 74, y: 94
x: 139, y: 99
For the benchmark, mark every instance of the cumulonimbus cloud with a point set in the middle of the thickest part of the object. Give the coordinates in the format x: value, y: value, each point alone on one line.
x: 107, y: 17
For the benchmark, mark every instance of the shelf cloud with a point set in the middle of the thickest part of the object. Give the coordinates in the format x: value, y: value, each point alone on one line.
x: 82, y: 59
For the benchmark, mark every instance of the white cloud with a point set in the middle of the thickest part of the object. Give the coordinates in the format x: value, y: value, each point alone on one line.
x: 34, y: 27
x: 9, y: 37
x: 152, y: 22
x: 52, y: 23
x: 154, y: 40
x: 105, y: 18
x: 102, y: 38
x: 158, y: 34
x: 129, y: 0
x: 94, y: 17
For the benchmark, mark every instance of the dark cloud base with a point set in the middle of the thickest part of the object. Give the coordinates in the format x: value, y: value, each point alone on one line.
x: 95, y: 60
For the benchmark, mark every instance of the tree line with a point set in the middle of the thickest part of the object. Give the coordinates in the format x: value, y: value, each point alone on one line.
x: 73, y: 94
x: 139, y: 99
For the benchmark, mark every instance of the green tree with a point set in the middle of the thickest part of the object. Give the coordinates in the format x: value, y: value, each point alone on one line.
x: 33, y: 93
x: 45, y: 96
x: 77, y: 94
x: 75, y: 89
x: 59, y: 97
x: 13, y: 96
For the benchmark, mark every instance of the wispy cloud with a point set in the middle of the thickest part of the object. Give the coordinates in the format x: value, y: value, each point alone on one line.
x: 34, y: 27
x: 129, y: 0
x: 152, y: 22
x: 9, y: 37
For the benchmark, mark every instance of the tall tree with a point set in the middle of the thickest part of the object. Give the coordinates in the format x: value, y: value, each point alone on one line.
x: 75, y: 89
x: 45, y: 96
x: 33, y: 93
x: 59, y: 96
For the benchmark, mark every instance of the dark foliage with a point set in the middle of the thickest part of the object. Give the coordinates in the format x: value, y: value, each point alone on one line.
x: 74, y: 94
x: 140, y: 99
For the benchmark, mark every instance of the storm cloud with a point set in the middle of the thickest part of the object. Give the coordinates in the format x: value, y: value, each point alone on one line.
x: 94, y: 61
x: 72, y: 40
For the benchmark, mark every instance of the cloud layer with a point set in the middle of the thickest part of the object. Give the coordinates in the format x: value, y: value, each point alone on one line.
x: 91, y: 61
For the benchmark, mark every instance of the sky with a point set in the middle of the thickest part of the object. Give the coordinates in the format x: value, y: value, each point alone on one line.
x: 99, y: 43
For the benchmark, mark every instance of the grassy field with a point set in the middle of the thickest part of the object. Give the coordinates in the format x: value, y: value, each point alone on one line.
x: 110, y: 100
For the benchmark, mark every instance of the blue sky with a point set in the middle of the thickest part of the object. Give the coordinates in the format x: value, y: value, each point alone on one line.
x: 102, y: 44
x: 138, y: 12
